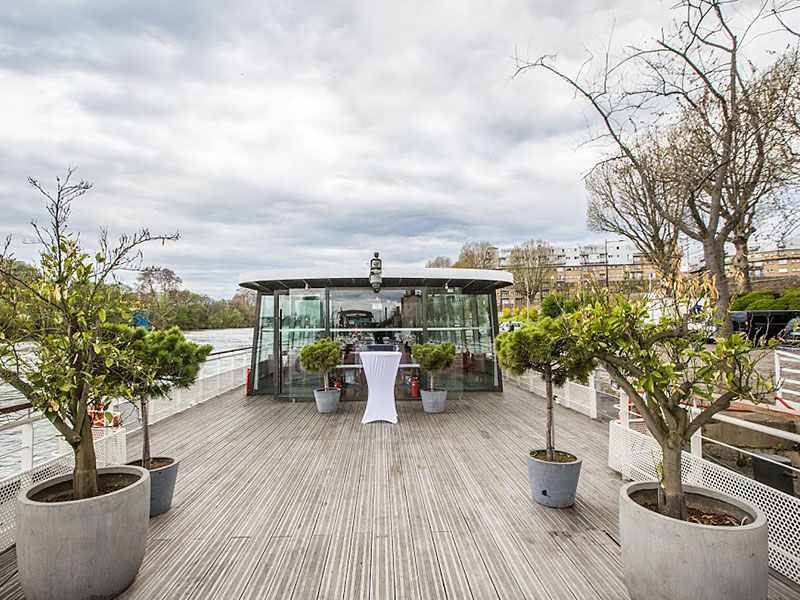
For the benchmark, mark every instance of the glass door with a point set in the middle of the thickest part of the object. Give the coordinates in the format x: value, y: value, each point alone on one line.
x: 302, y: 322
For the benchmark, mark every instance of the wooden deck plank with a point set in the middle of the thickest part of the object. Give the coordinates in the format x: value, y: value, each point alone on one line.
x: 276, y: 500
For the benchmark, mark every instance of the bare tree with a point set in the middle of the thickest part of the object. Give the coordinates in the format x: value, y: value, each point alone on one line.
x: 693, y: 78
x: 531, y: 263
x: 477, y: 255
x: 622, y: 200
x: 439, y: 262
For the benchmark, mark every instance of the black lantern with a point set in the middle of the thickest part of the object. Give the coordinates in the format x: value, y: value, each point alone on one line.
x: 375, y: 273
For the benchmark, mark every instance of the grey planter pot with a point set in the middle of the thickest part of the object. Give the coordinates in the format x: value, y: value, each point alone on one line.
x: 162, y: 485
x: 554, y: 484
x: 327, y: 401
x: 83, y: 549
x: 669, y: 559
x: 433, y: 401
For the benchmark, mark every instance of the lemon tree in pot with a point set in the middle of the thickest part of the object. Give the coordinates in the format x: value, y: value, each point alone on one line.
x: 55, y: 351
x: 672, y: 543
x: 158, y: 361
x: 323, y: 356
x: 432, y: 358
x: 548, y: 347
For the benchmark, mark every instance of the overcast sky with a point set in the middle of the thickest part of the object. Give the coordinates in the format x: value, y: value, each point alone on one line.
x: 285, y: 133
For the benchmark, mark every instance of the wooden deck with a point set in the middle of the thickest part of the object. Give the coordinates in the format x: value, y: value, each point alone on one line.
x: 277, y: 501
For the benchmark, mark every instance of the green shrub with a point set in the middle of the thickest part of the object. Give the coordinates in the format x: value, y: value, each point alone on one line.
x: 791, y: 299
x: 766, y: 304
x: 745, y: 301
x: 323, y: 355
x: 434, y: 357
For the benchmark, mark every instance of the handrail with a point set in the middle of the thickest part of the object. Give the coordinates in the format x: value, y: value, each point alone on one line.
x: 221, y: 352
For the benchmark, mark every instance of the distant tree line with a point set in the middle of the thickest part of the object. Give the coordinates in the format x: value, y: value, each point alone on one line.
x: 162, y: 301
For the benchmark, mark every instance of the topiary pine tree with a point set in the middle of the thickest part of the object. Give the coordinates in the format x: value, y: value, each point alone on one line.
x: 323, y: 355
x: 434, y: 357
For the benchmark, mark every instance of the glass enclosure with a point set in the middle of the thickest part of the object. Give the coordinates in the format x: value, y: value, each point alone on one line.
x: 362, y: 320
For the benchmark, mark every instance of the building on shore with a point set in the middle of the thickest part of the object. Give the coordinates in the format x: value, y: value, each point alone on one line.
x: 608, y: 263
x: 767, y: 262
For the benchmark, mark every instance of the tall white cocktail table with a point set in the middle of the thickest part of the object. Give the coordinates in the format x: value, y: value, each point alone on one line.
x: 380, y: 369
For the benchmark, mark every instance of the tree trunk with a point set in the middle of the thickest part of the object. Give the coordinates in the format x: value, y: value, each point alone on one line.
x: 430, y: 374
x: 548, y: 392
x: 145, y: 435
x: 715, y: 262
x: 741, y: 263
x: 325, y: 382
x: 671, y: 501
x: 85, y: 474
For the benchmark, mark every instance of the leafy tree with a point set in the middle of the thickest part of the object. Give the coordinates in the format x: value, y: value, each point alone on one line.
x: 323, y: 355
x: 154, y: 363
x: 665, y: 367
x: 58, y: 358
x: 556, y: 304
x: 434, y: 357
x: 546, y: 346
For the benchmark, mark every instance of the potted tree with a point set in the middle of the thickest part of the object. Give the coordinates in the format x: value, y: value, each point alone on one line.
x: 432, y: 358
x: 323, y: 355
x: 665, y: 367
x: 547, y: 346
x: 53, y: 352
x: 158, y: 362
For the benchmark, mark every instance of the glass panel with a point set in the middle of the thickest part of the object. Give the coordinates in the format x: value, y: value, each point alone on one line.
x: 302, y: 322
x: 362, y: 320
x: 264, y: 376
x: 466, y: 321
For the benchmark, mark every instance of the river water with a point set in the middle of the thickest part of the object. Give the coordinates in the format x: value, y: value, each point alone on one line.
x: 44, y: 432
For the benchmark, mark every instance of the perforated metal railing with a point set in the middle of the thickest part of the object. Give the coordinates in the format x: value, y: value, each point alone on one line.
x: 34, y: 453
x: 581, y: 398
x: 633, y: 453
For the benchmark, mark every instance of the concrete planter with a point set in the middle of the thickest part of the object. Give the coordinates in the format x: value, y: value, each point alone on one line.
x: 327, y: 400
x: 669, y: 559
x: 162, y: 485
x: 82, y: 549
x: 552, y: 483
x: 433, y: 401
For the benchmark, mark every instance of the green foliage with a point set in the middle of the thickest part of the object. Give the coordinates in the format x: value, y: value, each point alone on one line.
x: 545, y: 346
x: 745, y: 301
x: 557, y: 304
x: 767, y: 304
x: 55, y: 348
x: 434, y: 357
x: 665, y: 367
x: 155, y: 362
x: 323, y: 355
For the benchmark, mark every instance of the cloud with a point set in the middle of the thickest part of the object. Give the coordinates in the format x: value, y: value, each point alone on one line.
x: 281, y: 134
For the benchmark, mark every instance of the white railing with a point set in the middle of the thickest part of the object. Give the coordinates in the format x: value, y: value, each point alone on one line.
x: 787, y: 380
x: 634, y: 453
x: 584, y: 399
x: 43, y: 454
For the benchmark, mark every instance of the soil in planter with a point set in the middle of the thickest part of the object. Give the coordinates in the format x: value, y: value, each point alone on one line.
x: 702, y: 517
x: 108, y: 482
x: 155, y: 463
x: 560, y: 457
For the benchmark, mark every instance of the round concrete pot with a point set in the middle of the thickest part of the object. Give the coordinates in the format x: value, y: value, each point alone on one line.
x: 433, y: 401
x: 669, y: 559
x: 327, y: 400
x: 553, y: 483
x: 162, y: 485
x: 82, y: 549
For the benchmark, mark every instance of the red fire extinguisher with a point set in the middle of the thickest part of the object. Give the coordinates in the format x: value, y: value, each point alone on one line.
x: 247, y: 383
x: 415, y: 387
x: 337, y: 383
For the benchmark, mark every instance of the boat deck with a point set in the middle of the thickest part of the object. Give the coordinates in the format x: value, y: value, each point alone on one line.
x: 277, y: 501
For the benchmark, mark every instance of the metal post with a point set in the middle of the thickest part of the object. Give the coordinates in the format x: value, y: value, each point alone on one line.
x: 778, y: 384
x: 593, y: 408
x: 623, y: 408
x: 27, y: 447
x: 696, y: 443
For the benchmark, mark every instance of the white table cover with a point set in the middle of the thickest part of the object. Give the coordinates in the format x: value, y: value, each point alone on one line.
x: 380, y: 369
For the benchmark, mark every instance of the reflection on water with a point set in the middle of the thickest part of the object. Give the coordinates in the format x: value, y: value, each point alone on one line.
x: 46, y: 435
